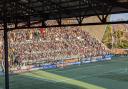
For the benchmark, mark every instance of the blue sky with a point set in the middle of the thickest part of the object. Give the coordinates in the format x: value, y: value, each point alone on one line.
x: 119, y: 16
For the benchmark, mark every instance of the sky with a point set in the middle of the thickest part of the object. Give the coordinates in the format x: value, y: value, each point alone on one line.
x: 116, y: 17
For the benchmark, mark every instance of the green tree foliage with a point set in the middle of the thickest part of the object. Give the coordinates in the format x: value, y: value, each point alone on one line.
x: 118, y: 35
x: 107, y: 38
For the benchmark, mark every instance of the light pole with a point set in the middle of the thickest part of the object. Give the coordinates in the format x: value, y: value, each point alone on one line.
x: 5, y: 21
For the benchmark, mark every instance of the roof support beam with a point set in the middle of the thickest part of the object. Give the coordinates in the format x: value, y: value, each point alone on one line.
x: 35, y: 24
x: 5, y: 2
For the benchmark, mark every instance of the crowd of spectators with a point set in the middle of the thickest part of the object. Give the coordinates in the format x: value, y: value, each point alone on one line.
x: 31, y: 46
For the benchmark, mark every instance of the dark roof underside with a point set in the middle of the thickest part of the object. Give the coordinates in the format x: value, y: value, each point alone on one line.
x: 35, y: 10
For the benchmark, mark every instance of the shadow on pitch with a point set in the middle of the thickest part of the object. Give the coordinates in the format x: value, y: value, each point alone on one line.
x: 56, y: 79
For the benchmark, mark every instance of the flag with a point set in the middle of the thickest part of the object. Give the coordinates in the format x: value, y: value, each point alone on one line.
x: 36, y: 34
x: 42, y: 31
x: 12, y: 36
x: 30, y: 34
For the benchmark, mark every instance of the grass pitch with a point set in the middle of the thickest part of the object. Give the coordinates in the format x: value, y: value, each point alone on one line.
x: 101, y: 75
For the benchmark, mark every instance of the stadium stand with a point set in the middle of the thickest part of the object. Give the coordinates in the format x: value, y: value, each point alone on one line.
x: 59, y: 47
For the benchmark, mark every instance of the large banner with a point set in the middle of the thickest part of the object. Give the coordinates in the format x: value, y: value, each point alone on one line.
x: 107, y: 57
x: 49, y: 66
x: 73, y: 60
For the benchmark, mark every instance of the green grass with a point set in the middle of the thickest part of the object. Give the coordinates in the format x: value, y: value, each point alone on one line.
x: 101, y: 75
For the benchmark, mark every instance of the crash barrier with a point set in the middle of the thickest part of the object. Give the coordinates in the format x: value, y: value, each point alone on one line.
x: 96, y: 59
x: 33, y: 67
x: 62, y: 64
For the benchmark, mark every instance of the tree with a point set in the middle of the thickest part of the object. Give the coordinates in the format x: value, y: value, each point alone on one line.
x: 107, y: 38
